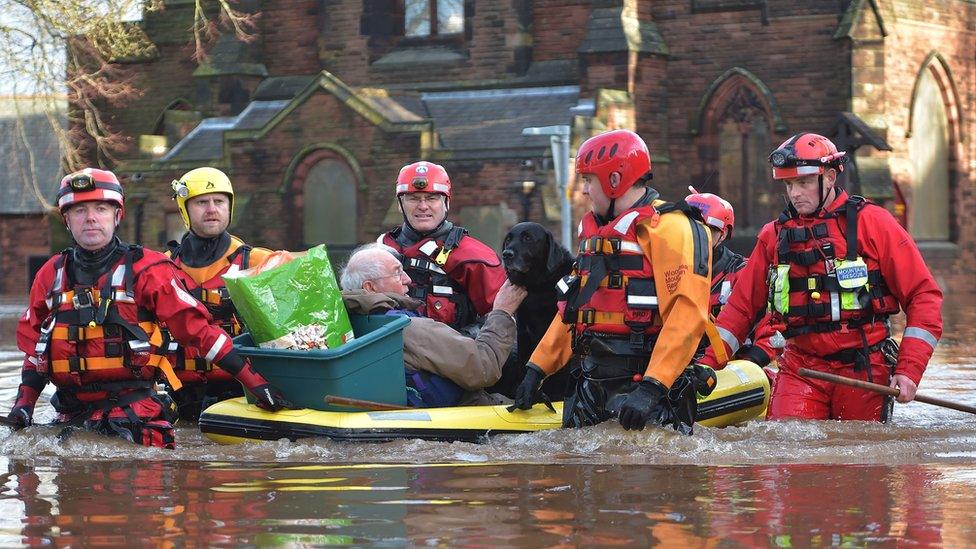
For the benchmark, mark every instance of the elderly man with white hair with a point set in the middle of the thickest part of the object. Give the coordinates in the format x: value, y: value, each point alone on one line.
x: 443, y: 367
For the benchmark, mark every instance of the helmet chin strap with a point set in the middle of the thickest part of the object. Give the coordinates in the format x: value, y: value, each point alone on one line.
x: 608, y: 215
x: 823, y: 197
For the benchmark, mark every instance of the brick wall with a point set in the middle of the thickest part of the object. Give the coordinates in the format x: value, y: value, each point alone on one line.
x: 21, y: 236
x: 948, y: 31
x: 811, y: 76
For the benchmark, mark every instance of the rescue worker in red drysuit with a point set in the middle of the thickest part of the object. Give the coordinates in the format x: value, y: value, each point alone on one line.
x: 205, y: 198
x: 92, y: 325
x: 636, y: 305
x: 719, y: 217
x: 455, y: 276
x: 831, y: 270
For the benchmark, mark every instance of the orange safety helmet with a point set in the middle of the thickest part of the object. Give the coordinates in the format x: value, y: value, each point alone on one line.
x: 716, y: 211
x: 90, y: 184
x: 806, y: 154
x: 621, y: 151
x: 423, y: 177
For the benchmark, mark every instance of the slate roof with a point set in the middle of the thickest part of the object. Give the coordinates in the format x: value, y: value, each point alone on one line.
x: 476, y: 122
x: 20, y: 172
x: 206, y: 141
x: 493, y: 119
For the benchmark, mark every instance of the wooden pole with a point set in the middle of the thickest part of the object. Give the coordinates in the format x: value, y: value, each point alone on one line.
x: 363, y: 404
x: 883, y: 389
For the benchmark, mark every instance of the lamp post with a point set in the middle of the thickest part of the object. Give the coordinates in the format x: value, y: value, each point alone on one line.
x: 528, y: 187
x: 559, y: 142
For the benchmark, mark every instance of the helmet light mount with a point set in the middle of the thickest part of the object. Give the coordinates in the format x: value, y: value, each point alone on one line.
x: 179, y: 189
x: 81, y: 182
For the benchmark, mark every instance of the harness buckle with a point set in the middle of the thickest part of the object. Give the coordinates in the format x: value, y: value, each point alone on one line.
x: 82, y: 300
x: 76, y: 364
x: 615, y: 281
x: 442, y: 256
x: 587, y: 316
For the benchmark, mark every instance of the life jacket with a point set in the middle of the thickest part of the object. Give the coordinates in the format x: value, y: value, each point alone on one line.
x: 96, y: 340
x: 208, y: 287
x: 723, y: 277
x: 428, y: 262
x: 818, y: 282
x: 612, y: 293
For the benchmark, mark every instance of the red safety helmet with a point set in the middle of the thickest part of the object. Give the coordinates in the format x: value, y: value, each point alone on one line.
x: 621, y: 151
x: 90, y: 184
x: 806, y: 154
x: 716, y: 210
x: 423, y: 177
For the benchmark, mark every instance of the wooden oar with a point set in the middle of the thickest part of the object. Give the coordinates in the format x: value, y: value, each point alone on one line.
x: 362, y: 404
x: 883, y: 389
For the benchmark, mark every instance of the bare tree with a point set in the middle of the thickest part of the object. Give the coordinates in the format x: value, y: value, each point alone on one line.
x: 70, y: 51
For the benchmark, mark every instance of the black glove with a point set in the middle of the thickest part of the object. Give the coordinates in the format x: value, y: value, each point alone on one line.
x: 270, y: 398
x: 641, y: 403
x: 705, y: 379
x: 528, y: 391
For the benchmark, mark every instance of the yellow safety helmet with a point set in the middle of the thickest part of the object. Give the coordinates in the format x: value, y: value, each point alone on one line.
x: 201, y: 181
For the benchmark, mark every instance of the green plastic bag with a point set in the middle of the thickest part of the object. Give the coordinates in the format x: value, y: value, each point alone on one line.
x: 296, y: 305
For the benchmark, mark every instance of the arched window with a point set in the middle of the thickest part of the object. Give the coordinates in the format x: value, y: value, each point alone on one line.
x: 930, y: 151
x: 330, y: 205
x: 743, y: 174
x: 735, y: 119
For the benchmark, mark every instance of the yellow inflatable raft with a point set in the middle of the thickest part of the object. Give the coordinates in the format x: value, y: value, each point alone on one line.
x: 741, y: 394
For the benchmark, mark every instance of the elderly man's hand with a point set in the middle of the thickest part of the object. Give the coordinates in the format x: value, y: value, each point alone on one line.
x: 509, y: 298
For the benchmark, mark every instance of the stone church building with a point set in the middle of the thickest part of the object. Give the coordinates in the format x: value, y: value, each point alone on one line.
x: 313, y: 117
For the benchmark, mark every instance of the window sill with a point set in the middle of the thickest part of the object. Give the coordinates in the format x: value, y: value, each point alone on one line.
x: 938, y: 250
x: 408, y: 57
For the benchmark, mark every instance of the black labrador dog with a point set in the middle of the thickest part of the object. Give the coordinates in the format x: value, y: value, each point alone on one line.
x: 534, y: 260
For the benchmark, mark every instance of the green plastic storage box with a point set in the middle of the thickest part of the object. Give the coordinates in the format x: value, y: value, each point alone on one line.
x: 370, y: 367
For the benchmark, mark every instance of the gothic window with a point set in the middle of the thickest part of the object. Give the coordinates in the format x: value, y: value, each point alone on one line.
x: 433, y: 17
x: 742, y: 139
x: 929, y: 149
x: 329, y: 194
x: 414, y: 19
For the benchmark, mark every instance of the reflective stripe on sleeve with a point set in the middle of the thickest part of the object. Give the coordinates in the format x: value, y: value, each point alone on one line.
x: 729, y: 339
x: 216, y: 347
x: 924, y: 335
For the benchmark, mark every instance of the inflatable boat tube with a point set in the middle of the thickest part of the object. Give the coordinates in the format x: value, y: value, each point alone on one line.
x: 741, y: 394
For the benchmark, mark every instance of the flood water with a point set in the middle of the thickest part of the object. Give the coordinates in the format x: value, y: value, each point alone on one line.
x: 785, y: 484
